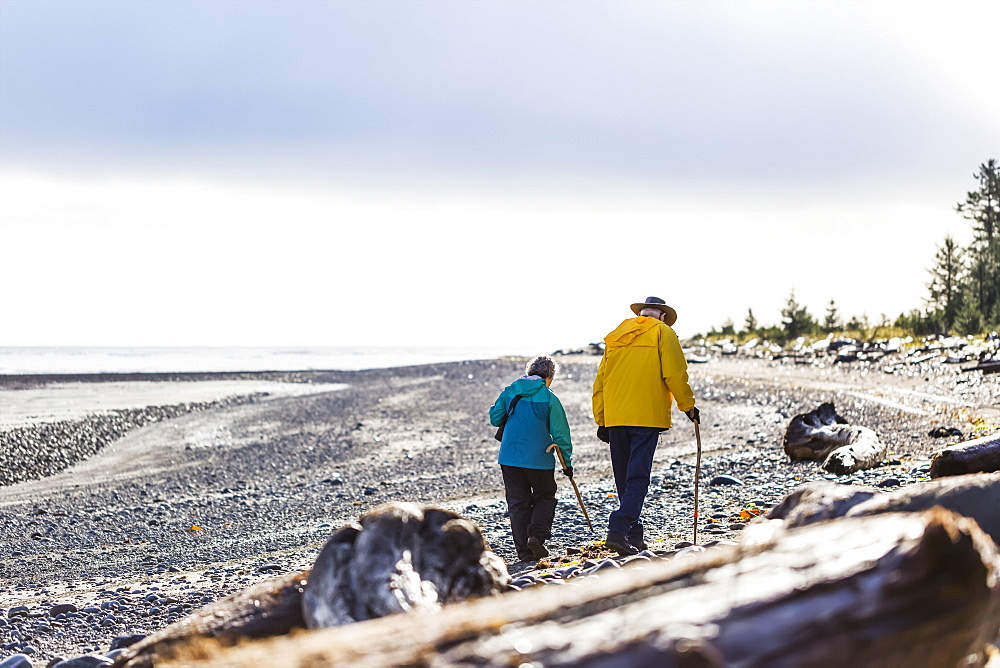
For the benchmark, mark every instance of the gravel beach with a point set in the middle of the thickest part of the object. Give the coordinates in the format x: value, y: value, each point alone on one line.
x: 116, y: 520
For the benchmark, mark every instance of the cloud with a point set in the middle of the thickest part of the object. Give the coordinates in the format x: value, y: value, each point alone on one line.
x: 759, y: 93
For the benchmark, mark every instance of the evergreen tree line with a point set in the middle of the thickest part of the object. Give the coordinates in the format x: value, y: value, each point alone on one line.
x: 963, y: 293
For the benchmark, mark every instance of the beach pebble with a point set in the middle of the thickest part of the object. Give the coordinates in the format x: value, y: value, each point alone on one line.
x: 567, y: 571
x: 888, y: 482
x: 16, y: 661
x: 61, y: 609
x: 725, y: 480
x: 88, y: 661
x: 604, y: 565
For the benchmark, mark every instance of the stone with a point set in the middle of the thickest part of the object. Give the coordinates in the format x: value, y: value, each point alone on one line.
x: 87, y: 661
x: 725, y: 480
x: 61, y: 609
x: 16, y: 661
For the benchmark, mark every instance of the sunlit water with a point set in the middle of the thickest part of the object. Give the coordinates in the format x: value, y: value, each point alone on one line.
x: 80, y: 360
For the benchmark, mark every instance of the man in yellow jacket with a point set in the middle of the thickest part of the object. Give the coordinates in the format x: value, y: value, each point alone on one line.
x: 642, y: 371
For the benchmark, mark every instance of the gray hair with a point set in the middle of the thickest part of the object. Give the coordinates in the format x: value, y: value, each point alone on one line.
x: 652, y: 312
x: 542, y: 366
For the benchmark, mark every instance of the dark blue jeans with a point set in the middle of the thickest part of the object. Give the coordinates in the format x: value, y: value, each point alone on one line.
x: 632, y: 450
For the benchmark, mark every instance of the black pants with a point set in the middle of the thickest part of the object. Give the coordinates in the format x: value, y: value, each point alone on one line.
x: 531, y: 502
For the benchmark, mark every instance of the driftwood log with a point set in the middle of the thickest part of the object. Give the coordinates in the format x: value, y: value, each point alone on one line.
x: 981, y: 455
x: 821, y: 434
x: 976, y: 496
x: 818, y: 501
x: 400, y: 557
x: 894, y: 589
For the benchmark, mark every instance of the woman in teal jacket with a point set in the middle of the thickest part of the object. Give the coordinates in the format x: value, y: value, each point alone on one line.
x: 534, y: 423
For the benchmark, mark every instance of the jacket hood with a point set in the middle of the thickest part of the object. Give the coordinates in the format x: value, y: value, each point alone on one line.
x: 527, y: 385
x: 629, y: 330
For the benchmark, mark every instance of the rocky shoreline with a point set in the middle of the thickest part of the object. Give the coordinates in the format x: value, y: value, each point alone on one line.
x: 177, y: 506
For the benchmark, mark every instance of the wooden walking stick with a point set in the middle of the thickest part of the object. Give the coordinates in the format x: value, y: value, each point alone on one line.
x: 576, y: 489
x: 697, y: 475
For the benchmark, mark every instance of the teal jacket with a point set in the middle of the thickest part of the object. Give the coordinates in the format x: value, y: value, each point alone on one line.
x: 537, y: 422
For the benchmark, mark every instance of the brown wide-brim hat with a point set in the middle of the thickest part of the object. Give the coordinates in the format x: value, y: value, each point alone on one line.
x: 657, y: 303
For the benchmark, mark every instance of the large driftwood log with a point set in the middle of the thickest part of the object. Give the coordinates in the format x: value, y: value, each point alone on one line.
x: 896, y: 589
x: 401, y: 557
x: 821, y: 434
x: 976, y: 496
x: 981, y: 455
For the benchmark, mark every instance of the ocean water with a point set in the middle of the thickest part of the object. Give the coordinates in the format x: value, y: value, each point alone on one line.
x: 83, y: 360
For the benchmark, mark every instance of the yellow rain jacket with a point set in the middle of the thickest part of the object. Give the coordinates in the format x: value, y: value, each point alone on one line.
x: 642, y: 370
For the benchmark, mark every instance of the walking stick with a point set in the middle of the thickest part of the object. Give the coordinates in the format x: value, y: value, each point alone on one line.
x: 576, y: 489
x: 697, y: 474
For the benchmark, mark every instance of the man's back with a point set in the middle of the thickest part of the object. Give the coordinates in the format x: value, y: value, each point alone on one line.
x: 642, y: 368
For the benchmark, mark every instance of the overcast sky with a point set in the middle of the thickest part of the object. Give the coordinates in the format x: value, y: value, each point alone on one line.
x: 476, y: 173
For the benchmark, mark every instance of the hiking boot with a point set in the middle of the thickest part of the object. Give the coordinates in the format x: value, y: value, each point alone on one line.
x: 636, y: 541
x: 537, y: 548
x: 617, y: 542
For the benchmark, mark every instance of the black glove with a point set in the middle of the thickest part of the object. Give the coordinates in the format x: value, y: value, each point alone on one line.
x: 568, y: 471
x: 602, y: 434
x: 694, y: 414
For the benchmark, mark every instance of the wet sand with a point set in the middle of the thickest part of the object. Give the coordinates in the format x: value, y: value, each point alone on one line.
x: 77, y: 400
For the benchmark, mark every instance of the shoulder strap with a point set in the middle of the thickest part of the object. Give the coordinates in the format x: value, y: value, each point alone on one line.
x: 513, y: 403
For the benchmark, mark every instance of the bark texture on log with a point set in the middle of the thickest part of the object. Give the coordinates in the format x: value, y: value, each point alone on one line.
x: 810, y: 437
x: 896, y: 589
x: 976, y: 496
x: 821, y: 434
x: 400, y: 558
x: 981, y: 455
x: 863, y: 451
x: 271, y: 607
x: 818, y: 501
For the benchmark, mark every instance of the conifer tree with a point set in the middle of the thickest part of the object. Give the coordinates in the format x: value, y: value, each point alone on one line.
x: 945, y: 287
x: 981, y: 294
x: 831, y: 322
x: 796, y: 319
